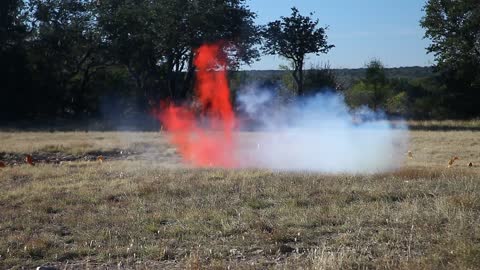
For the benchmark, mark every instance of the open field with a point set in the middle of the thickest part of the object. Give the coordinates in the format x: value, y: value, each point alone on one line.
x: 141, y: 208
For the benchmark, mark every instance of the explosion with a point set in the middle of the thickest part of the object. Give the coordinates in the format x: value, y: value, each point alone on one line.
x: 209, y: 143
x: 316, y: 133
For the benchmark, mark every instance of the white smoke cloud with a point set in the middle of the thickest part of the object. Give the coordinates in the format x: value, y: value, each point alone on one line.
x: 319, y: 133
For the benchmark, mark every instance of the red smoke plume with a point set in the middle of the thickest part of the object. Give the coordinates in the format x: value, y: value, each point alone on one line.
x: 209, y: 143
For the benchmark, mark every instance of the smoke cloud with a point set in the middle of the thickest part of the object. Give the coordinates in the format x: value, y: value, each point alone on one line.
x: 319, y: 133
x: 316, y: 133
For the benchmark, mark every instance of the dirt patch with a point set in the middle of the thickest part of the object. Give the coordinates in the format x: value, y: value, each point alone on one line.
x: 57, y: 157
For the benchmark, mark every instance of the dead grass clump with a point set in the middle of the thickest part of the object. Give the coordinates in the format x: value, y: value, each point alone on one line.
x: 258, y: 204
x: 322, y: 259
x: 465, y: 201
x: 38, y: 247
x: 416, y: 173
x: 53, y: 148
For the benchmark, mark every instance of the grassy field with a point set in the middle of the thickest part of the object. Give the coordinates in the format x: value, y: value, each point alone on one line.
x: 141, y: 208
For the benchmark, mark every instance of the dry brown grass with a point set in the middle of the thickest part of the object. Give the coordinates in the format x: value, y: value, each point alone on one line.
x: 473, y: 125
x: 155, y: 213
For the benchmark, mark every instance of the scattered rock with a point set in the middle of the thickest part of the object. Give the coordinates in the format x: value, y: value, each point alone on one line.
x: 257, y: 251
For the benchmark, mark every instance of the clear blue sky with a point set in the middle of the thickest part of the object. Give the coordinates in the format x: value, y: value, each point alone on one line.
x: 361, y: 30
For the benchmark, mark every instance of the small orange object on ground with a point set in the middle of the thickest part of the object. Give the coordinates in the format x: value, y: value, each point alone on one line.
x: 100, y: 159
x: 29, y: 160
x: 452, y: 160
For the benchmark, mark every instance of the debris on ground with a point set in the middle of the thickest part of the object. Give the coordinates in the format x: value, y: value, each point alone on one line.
x: 29, y: 160
x: 452, y: 160
x: 62, y: 158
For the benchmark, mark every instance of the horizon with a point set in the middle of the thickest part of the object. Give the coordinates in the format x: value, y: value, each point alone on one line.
x: 338, y: 68
x: 381, y: 29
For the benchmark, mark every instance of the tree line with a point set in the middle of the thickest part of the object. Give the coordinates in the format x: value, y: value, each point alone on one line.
x: 77, y: 58
x: 67, y: 57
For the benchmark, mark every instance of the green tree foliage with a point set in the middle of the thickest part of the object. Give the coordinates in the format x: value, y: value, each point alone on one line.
x: 453, y: 26
x: 70, y: 58
x: 157, y: 39
x: 65, y: 48
x: 321, y: 78
x: 378, y: 92
x: 77, y: 58
x: 414, y: 97
x: 14, y: 73
x: 373, y: 90
x: 12, y: 25
x: 317, y: 79
x: 293, y: 38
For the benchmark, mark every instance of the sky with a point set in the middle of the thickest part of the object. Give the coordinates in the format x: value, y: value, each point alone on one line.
x: 361, y: 30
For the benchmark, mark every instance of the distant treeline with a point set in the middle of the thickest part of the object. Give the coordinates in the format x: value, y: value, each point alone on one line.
x: 348, y: 76
x: 409, y: 92
x: 117, y: 59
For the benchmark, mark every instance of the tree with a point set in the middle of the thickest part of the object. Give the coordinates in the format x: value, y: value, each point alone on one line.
x: 374, y: 90
x: 293, y: 38
x: 15, y: 76
x: 321, y: 78
x: 12, y: 26
x: 376, y: 79
x: 156, y: 40
x: 64, y: 54
x: 453, y: 26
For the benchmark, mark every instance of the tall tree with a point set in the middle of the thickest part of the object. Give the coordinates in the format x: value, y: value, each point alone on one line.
x: 64, y: 53
x: 293, y: 38
x: 160, y: 37
x: 15, y: 78
x: 453, y: 26
x: 374, y: 90
x: 376, y: 79
x: 11, y: 24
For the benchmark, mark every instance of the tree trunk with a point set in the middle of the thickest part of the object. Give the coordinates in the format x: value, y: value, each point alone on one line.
x: 297, y: 80
x: 189, y: 75
x: 300, y: 77
x: 171, y: 80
